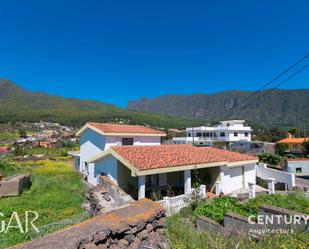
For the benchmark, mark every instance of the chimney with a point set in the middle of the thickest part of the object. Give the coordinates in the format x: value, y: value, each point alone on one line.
x: 290, y: 135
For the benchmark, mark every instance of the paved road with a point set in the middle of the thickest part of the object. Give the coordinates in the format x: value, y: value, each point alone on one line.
x: 300, y: 182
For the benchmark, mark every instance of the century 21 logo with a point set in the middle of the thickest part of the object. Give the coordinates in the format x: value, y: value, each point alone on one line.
x: 15, y: 222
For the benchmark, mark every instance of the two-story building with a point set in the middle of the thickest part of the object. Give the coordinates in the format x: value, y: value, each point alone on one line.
x: 98, y: 137
x: 231, y: 131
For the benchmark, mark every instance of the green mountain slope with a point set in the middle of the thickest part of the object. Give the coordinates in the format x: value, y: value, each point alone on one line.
x: 18, y: 104
x: 280, y: 107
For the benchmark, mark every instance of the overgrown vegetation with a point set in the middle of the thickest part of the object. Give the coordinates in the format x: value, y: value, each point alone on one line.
x: 183, y: 235
x: 216, y: 208
x: 281, y: 148
x: 268, y: 158
x: 306, y: 148
x: 56, y: 193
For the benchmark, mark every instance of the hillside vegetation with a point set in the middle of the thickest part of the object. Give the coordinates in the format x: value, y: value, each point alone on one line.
x: 278, y: 108
x: 18, y: 104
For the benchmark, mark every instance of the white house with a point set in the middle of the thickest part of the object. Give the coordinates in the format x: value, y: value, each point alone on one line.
x: 143, y: 170
x: 148, y: 167
x: 227, y: 131
x: 98, y: 137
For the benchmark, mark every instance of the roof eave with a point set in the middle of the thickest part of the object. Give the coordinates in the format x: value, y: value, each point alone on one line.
x: 89, y: 126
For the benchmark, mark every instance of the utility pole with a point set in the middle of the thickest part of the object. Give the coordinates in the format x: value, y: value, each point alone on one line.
x: 193, y: 136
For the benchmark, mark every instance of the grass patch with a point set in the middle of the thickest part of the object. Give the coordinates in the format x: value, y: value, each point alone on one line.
x: 216, y: 208
x: 57, y: 193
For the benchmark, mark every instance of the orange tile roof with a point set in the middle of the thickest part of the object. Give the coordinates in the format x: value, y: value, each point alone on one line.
x: 122, y: 128
x: 298, y: 159
x: 146, y: 157
x: 292, y: 140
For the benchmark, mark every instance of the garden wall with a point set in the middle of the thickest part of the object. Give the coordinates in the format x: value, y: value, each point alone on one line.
x: 141, y: 223
x: 15, y: 185
x: 264, y: 172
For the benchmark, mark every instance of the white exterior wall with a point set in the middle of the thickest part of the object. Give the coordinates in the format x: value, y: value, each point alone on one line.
x: 137, y: 140
x: 108, y: 166
x: 92, y: 143
x: 292, y: 165
x: 240, y: 136
x: 228, y: 127
x: 263, y: 172
x: 224, y: 179
x: 248, y: 175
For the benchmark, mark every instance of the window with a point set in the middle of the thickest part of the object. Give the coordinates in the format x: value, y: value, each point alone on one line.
x: 235, y: 134
x: 298, y: 170
x: 207, y: 134
x: 246, y: 134
x: 86, y: 168
x: 198, y: 134
x: 127, y: 141
x: 189, y: 134
x: 204, y: 134
x: 222, y: 134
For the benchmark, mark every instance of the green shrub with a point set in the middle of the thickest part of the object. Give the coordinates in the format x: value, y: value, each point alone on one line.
x: 269, y: 158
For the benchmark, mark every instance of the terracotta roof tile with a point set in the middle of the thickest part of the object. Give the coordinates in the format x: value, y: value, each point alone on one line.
x: 162, y: 156
x: 122, y: 128
x: 297, y: 140
x: 298, y: 159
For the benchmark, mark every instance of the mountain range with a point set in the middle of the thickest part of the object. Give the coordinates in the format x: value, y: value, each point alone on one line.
x: 18, y: 104
x: 275, y: 108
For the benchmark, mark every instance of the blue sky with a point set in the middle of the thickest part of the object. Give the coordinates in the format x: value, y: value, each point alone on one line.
x: 114, y: 51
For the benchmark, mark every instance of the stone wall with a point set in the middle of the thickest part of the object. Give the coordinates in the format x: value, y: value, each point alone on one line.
x: 240, y: 225
x: 15, y: 185
x: 141, y: 223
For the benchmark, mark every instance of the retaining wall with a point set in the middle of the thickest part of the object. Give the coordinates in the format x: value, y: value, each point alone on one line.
x: 140, y: 224
x: 240, y: 225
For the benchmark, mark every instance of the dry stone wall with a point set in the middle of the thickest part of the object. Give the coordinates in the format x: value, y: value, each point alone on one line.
x: 140, y: 225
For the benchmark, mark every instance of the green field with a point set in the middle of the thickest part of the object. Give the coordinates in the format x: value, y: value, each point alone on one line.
x: 56, y: 193
x: 8, y: 135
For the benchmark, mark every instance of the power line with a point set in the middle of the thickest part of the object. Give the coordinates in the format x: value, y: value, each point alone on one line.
x: 271, y: 81
x: 277, y: 77
x: 276, y: 86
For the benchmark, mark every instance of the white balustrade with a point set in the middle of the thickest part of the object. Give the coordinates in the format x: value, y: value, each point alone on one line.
x: 173, y: 205
x: 251, y: 190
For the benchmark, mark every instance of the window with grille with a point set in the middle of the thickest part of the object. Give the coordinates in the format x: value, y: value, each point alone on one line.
x: 127, y: 141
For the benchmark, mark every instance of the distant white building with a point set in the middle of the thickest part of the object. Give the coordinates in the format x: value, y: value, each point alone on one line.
x: 226, y: 131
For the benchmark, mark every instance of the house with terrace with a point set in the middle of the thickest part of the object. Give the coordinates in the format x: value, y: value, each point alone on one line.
x: 133, y: 158
x: 141, y: 170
